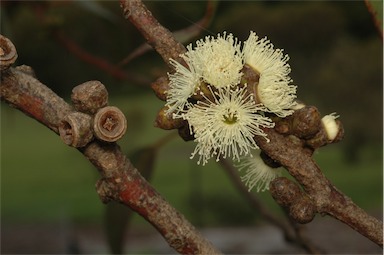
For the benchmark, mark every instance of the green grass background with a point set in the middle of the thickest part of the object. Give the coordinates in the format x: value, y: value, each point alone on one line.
x: 43, y: 180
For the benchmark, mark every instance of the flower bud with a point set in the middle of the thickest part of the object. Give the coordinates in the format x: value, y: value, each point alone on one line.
x: 165, y: 121
x: 284, y: 191
x: 302, y: 210
x: 331, y: 126
x: 204, y: 92
x: 331, y: 131
x: 160, y: 87
x: 306, y: 122
x: 303, y: 123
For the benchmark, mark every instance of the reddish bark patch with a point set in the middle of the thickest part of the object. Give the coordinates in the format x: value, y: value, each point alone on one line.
x: 32, y: 106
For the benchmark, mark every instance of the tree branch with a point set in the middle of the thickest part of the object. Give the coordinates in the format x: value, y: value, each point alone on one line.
x: 120, y: 179
x: 327, y: 199
x: 182, y: 35
x: 160, y: 38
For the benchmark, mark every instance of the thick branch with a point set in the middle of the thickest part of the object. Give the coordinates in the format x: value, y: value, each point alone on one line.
x: 120, y: 179
x: 328, y: 200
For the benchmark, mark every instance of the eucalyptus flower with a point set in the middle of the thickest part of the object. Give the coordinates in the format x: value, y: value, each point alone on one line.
x: 273, y: 90
x: 182, y: 85
x: 257, y: 173
x: 226, y: 126
x: 228, y: 93
x: 219, y: 60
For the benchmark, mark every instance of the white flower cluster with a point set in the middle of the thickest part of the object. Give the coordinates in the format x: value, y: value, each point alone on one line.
x: 224, y: 109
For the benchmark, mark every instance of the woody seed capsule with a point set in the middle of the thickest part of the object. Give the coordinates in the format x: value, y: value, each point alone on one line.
x: 89, y: 96
x: 8, y: 54
x: 109, y: 124
x: 75, y: 129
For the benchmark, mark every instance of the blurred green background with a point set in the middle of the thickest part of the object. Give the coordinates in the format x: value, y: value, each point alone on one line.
x: 336, y: 58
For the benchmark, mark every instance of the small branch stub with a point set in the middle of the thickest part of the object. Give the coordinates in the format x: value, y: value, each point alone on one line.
x: 8, y: 53
x: 89, y: 97
x: 75, y: 129
x: 109, y: 124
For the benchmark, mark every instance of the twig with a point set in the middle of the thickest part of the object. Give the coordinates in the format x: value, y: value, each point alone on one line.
x: 100, y: 63
x: 113, y: 70
x: 120, y: 180
x: 377, y: 20
x: 182, y: 35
